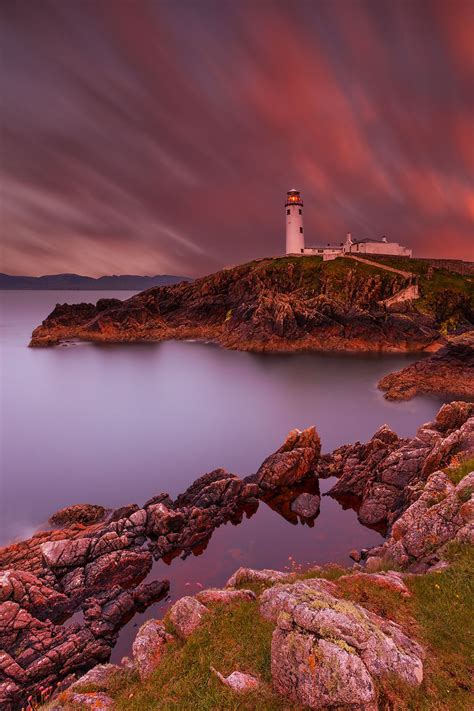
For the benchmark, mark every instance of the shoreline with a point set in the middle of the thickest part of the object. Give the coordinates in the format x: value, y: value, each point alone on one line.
x: 98, y: 562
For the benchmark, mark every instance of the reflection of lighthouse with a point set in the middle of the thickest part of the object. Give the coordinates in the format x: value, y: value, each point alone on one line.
x: 294, y: 223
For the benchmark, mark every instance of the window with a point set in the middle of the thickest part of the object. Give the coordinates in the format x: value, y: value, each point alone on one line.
x: 288, y: 211
x: 301, y: 230
x: 302, y: 251
x: 300, y: 211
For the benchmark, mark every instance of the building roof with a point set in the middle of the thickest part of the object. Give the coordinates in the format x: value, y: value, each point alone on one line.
x: 324, y: 246
x: 368, y: 239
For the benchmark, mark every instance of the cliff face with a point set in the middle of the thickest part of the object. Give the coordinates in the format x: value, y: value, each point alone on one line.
x: 273, y: 304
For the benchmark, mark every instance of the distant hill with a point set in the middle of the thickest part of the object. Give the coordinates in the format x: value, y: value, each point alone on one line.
x: 128, y: 282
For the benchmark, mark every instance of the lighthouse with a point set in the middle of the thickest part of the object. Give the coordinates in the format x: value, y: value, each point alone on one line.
x: 294, y: 223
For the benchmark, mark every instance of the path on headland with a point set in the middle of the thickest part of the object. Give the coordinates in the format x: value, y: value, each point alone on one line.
x: 408, y: 293
x: 407, y: 275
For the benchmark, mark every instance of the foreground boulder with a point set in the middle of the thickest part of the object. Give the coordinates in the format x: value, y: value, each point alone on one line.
x: 149, y: 646
x: 265, y: 576
x: 329, y: 653
x: 186, y: 615
x: 99, y: 676
x: 224, y: 597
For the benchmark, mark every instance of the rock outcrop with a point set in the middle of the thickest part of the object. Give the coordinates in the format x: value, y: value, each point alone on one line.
x: 270, y: 305
x: 449, y: 371
x: 330, y: 653
x: 149, y: 646
x: 383, y: 477
x: 97, y: 566
x: 186, y: 615
x: 292, y: 462
x: 78, y: 513
x: 443, y: 513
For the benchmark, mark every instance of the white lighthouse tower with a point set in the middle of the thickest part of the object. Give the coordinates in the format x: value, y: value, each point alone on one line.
x: 294, y: 223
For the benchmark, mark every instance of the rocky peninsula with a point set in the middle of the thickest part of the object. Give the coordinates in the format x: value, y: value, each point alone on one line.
x: 329, y: 648
x: 281, y: 304
x: 449, y: 371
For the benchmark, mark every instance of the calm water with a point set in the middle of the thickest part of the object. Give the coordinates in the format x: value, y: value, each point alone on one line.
x: 118, y: 424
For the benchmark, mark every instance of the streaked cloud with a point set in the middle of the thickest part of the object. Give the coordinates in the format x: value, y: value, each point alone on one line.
x: 161, y: 136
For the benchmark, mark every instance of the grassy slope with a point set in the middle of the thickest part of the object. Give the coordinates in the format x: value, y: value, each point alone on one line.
x: 443, y: 293
x: 446, y: 295
x: 311, y: 272
x: 439, y: 614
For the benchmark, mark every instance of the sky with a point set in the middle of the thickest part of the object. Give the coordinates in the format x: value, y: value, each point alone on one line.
x: 152, y: 137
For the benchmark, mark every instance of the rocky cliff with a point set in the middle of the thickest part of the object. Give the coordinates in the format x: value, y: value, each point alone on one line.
x: 269, y: 305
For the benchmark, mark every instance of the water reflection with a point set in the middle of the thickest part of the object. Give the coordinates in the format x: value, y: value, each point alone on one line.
x: 118, y: 424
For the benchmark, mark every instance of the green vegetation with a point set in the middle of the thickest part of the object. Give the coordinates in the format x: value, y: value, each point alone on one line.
x: 439, y: 614
x: 233, y: 637
x: 445, y: 295
x: 459, y: 471
x: 341, y: 279
x: 443, y: 605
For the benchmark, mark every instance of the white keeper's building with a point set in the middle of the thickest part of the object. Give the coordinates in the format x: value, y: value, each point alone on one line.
x: 295, y: 237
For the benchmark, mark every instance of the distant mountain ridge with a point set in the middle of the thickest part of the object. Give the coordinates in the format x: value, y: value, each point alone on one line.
x: 129, y: 282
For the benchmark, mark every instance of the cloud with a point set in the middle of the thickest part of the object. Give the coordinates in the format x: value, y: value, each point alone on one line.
x: 162, y: 136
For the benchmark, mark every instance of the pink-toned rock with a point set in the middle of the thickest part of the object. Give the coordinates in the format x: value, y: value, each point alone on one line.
x: 186, y: 615
x: 225, y: 597
x: 100, y: 676
x: 373, y: 564
x: 306, y: 505
x: 294, y: 460
x: 78, y: 513
x: 66, y: 553
x: 319, y: 673
x: 386, y: 474
x: 96, y: 700
x: 120, y: 568
x: 441, y: 513
x: 33, y: 594
x: 149, y: 646
x: 467, y: 511
x: 328, y: 652
x: 265, y: 576
x: 390, y: 580
x: 238, y: 681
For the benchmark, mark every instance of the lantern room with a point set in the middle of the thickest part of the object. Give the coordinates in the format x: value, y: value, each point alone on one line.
x: 293, y: 197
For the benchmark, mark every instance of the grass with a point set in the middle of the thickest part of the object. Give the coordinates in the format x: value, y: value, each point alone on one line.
x: 446, y: 296
x: 311, y: 273
x: 443, y: 606
x: 439, y: 615
x: 233, y: 638
x: 459, y: 471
